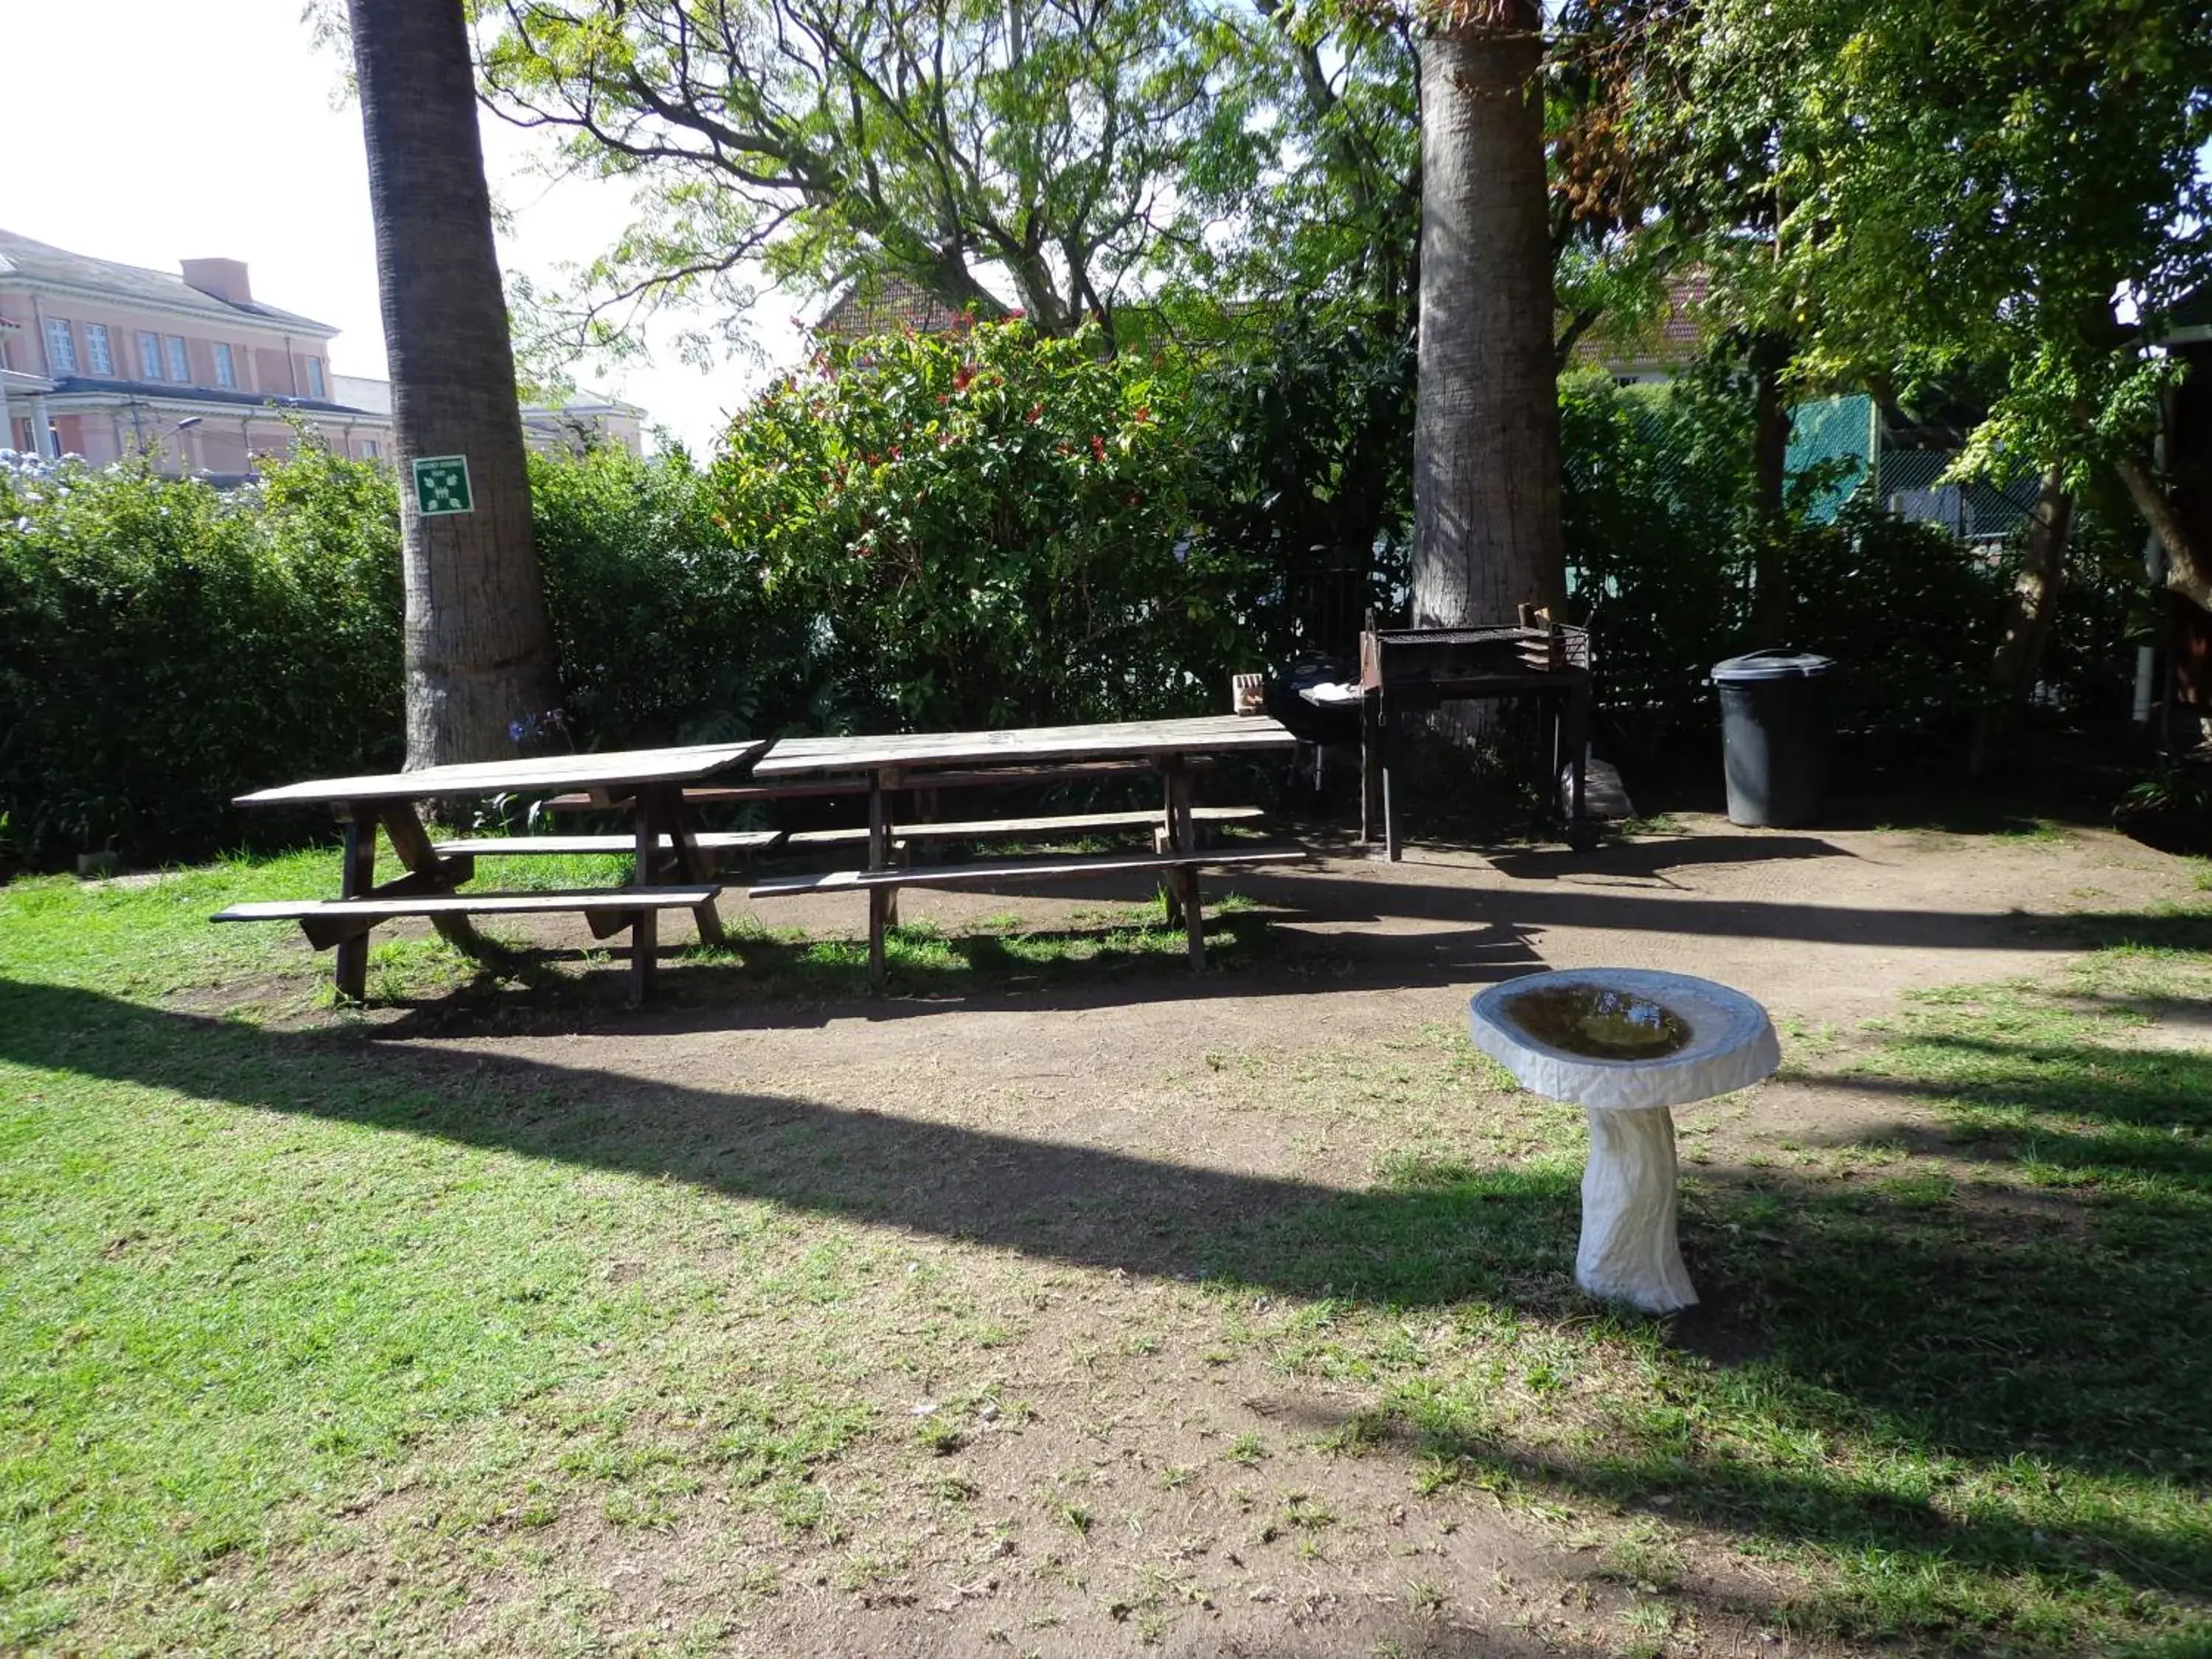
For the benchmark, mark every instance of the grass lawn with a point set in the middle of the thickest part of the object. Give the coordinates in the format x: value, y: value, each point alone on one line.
x: 310, y: 1338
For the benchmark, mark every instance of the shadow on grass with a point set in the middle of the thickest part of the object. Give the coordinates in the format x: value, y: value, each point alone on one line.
x: 1900, y: 1336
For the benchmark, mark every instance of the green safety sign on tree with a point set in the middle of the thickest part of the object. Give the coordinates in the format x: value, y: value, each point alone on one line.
x: 441, y: 484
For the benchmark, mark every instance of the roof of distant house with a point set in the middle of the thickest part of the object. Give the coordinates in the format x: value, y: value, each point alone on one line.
x: 887, y: 305
x: 202, y: 394
x: 38, y: 262
x: 1674, y: 338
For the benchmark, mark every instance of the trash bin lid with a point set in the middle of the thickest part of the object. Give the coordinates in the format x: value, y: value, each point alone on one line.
x: 1772, y: 665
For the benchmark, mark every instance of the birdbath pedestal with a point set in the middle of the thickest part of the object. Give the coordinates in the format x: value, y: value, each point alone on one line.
x: 1628, y: 1046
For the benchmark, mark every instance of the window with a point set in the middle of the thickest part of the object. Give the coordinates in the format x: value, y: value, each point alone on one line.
x: 368, y: 449
x: 149, y: 356
x: 97, y: 358
x: 315, y: 378
x: 226, y: 368
x: 61, y: 347
x: 180, y: 367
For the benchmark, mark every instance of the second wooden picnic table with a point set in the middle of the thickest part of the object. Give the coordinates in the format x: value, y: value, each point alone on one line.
x: 930, y: 761
x: 672, y: 871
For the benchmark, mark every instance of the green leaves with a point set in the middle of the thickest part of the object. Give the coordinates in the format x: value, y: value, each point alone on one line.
x: 988, y: 528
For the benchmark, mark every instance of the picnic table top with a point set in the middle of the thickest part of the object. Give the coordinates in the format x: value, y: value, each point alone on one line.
x: 692, y: 763
x: 1132, y: 739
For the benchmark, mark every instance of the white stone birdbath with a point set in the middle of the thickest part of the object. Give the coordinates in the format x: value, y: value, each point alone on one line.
x: 1628, y: 1046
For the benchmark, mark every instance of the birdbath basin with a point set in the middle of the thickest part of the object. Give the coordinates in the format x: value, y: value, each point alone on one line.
x: 1628, y: 1046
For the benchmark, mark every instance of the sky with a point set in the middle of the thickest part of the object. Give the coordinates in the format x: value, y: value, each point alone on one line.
x: 214, y: 129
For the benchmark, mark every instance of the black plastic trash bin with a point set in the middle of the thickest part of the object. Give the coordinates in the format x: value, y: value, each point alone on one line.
x: 1774, y: 736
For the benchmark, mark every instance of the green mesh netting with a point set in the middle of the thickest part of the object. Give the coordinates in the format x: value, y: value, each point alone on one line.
x: 1835, y: 439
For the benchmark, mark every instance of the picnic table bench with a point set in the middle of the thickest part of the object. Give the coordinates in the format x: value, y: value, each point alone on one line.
x: 1174, y: 749
x: 671, y: 872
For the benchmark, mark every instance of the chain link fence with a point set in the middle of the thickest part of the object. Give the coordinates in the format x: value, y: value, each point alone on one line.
x: 1838, y: 447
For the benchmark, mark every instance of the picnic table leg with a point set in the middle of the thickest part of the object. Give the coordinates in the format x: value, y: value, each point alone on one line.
x: 1182, y: 837
x: 355, y: 876
x: 691, y: 862
x: 644, y: 926
x: 412, y: 842
x: 882, y: 912
x: 1170, y: 769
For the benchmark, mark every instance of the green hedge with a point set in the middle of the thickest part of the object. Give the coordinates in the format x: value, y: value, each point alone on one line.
x: 965, y: 531
x: 988, y: 528
x: 164, y: 646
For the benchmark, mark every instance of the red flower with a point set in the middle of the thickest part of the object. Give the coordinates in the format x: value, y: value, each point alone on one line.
x: 960, y: 377
x: 1037, y: 413
x: 1142, y: 414
x: 1097, y: 447
x: 895, y: 452
x: 1016, y: 314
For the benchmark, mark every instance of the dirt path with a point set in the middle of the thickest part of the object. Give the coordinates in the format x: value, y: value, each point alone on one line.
x: 1120, y: 1113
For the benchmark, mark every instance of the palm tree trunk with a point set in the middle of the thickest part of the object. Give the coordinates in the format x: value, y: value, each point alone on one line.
x: 2027, y: 623
x: 1486, y: 424
x: 479, y: 648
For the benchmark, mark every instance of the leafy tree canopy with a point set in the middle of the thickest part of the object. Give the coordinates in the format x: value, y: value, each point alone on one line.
x: 821, y: 139
x: 1914, y: 189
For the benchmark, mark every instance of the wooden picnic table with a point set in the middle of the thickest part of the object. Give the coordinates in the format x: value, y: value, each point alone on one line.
x: 672, y: 871
x: 932, y: 760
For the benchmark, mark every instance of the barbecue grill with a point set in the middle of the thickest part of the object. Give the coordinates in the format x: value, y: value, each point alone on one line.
x: 1407, y: 671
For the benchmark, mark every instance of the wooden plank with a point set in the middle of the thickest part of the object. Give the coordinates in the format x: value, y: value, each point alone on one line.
x: 450, y: 904
x: 1066, y: 824
x: 1073, y: 772
x: 596, y: 801
x: 986, y: 829
x: 1044, y: 869
x: 693, y: 762
x: 852, y: 837
x: 1127, y: 739
x: 712, y: 840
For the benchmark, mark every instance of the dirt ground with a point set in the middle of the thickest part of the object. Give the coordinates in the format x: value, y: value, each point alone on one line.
x: 1022, y: 1100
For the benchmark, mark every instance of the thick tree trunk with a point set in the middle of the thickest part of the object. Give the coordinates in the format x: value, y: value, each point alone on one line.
x: 1486, y: 424
x: 2034, y: 602
x: 1770, y: 589
x: 479, y: 648
x: 2189, y: 567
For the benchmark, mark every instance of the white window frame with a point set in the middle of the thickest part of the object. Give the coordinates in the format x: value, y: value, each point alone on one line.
x: 180, y: 362
x: 150, y: 355
x: 61, y: 347
x: 225, y: 365
x: 99, y: 359
x: 316, y: 386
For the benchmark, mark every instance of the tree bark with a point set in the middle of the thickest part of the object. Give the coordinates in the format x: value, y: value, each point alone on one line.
x: 2033, y: 603
x: 1486, y: 422
x: 2189, y: 570
x: 479, y: 647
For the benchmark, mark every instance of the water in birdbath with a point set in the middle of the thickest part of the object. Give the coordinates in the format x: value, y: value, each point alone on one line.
x: 1599, y: 1022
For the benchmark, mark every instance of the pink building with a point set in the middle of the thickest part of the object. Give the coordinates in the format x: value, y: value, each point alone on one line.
x: 100, y: 360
